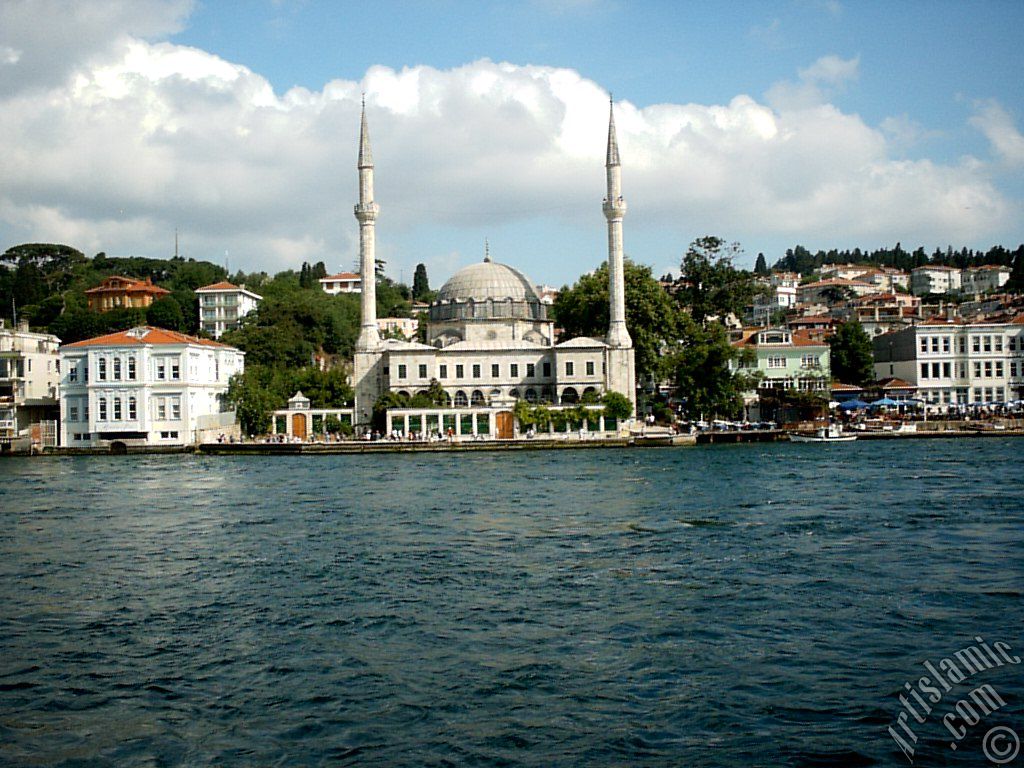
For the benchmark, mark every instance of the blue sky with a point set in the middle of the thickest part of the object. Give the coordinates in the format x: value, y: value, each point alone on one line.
x: 824, y: 123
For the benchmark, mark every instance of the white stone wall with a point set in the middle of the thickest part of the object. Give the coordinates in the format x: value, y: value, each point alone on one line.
x: 156, y: 391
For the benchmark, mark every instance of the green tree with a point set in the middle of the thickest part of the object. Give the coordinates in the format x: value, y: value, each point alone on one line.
x: 420, y: 284
x: 583, y: 310
x: 252, y: 401
x: 703, y: 376
x: 1016, y: 282
x: 166, y: 312
x: 617, y: 406
x: 710, y: 285
x: 851, y: 358
x: 760, y: 266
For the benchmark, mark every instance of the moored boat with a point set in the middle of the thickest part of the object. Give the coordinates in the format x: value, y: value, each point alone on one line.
x: 833, y: 433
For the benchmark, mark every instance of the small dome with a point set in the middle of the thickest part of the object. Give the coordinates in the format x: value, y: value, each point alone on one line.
x: 488, y: 280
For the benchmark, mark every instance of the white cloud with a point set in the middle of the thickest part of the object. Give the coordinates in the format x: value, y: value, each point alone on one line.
x: 816, y: 84
x: 42, y: 41
x: 998, y: 127
x: 145, y: 137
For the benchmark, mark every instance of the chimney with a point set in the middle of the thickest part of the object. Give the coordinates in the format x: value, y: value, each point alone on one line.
x: 23, y: 326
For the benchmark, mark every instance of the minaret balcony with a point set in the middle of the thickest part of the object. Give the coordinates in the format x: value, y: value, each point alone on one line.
x: 614, y: 208
x: 366, y: 211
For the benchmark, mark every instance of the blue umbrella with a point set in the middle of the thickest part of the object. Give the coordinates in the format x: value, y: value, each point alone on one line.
x: 852, y: 405
x: 885, y: 402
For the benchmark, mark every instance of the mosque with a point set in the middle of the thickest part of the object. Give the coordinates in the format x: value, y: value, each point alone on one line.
x: 489, y: 338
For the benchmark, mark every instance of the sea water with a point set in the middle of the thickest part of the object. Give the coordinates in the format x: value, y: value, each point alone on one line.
x: 720, y: 606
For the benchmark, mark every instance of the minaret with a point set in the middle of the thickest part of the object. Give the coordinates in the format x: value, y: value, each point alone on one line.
x: 614, y: 209
x: 366, y: 212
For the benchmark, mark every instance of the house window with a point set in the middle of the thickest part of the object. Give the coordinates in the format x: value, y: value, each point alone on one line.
x: 175, y: 407
x: 131, y: 369
x: 547, y: 370
x: 963, y: 345
x: 101, y: 372
x: 776, y: 362
x: 460, y: 371
x: 999, y: 343
x: 590, y: 367
x: 117, y: 409
x: 945, y: 344
x: 161, y: 409
x: 495, y: 370
x: 476, y: 370
x: 569, y: 368
x: 102, y: 403
x: 423, y: 371
x: 513, y: 370
x: 977, y: 369
x: 175, y: 371
x: 531, y: 370
x: 161, y: 370
x: 924, y: 343
x: 946, y: 370
x: 988, y: 369
x: 442, y: 372
x: 935, y: 370
x: 976, y: 343
x: 73, y: 374
x: 999, y: 369
x: 924, y: 370
x: 132, y: 408
x: 117, y: 369
x: 401, y: 370
x: 935, y: 343
x: 987, y: 343
x: 72, y: 412
x: 809, y: 361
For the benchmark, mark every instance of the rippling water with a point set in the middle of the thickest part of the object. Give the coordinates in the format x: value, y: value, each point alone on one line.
x: 735, y: 606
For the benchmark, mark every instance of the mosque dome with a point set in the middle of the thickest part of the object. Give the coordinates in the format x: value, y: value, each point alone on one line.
x: 488, y: 280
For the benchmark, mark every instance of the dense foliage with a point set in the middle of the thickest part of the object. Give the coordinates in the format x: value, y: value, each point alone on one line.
x: 851, y: 356
x: 582, y: 310
x: 262, y: 389
x: 46, y: 283
x: 799, y: 259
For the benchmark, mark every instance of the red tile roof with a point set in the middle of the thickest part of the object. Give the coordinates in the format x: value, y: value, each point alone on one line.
x: 143, y: 336
x: 342, y: 276
x: 223, y: 285
x: 131, y: 285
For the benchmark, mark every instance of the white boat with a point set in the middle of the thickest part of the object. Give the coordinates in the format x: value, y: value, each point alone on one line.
x: 833, y: 433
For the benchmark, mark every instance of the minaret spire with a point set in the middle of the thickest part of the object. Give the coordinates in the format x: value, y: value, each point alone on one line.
x: 614, y: 210
x: 613, y: 142
x: 366, y: 212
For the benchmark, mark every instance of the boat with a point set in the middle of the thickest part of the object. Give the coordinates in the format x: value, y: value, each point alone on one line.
x: 833, y: 433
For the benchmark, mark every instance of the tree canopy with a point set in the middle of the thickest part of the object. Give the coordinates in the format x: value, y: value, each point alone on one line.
x: 710, y: 285
x: 583, y: 310
x: 851, y: 358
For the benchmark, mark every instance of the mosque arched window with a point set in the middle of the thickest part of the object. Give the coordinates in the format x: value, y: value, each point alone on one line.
x: 570, y: 396
x: 531, y: 395
x: 460, y: 399
x: 477, y: 398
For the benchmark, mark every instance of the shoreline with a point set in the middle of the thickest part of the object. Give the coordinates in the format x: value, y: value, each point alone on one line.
x: 532, y: 444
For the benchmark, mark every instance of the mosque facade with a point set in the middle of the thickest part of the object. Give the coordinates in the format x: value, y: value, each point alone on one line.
x: 489, y: 338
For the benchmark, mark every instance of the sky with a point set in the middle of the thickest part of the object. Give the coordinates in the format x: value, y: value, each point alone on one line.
x: 824, y: 123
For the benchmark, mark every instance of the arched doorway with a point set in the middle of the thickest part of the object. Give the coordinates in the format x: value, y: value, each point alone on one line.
x: 570, y: 396
x: 477, y: 397
x: 460, y: 399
